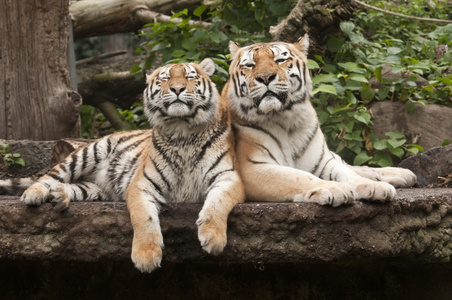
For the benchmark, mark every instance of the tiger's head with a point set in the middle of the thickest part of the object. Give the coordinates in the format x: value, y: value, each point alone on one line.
x: 181, y: 96
x: 268, y: 79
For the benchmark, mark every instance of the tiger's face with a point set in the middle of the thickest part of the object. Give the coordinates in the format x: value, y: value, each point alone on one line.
x: 268, y: 78
x: 181, y: 95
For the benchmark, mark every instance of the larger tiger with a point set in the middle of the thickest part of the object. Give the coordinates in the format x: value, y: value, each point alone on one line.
x: 282, y: 152
x: 188, y: 156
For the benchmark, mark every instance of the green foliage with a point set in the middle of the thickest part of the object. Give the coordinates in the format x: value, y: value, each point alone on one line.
x: 342, y: 84
x: 342, y: 80
x: 241, y: 21
x: 9, y: 158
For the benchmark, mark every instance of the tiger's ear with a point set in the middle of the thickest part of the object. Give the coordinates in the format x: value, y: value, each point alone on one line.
x: 208, y: 66
x: 233, y: 48
x: 303, y: 44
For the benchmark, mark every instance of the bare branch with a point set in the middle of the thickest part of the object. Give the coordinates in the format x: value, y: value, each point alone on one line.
x: 97, y: 58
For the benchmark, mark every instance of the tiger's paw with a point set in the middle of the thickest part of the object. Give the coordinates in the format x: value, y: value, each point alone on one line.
x: 147, y: 256
x: 374, y: 191
x: 35, y: 195
x: 331, y: 193
x: 212, y: 235
x: 61, y: 197
x: 398, y: 177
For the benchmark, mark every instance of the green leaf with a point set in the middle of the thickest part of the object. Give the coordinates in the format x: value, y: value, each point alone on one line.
x: 361, y: 158
x: 347, y: 27
x: 326, y: 89
x: 377, y: 74
x: 397, y: 152
x: 312, y: 64
x: 383, y: 159
x: 259, y: 15
x: 349, y: 66
x: 380, y: 145
x: 394, y: 50
x: 395, y: 135
x: 367, y: 93
x: 395, y: 143
x: 360, y: 119
x: 135, y: 68
x: 324, y: 78
x: 199, y: 10
x: 358, y: 77
x: 446, y: 142
x: 178, y: 53
x: 409, y: 105
x: 419, y: 147
x: 334, y: 44
x: 413, y: 150
x: 20, y: 161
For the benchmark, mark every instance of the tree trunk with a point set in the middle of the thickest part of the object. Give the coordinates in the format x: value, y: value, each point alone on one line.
x: 120, y: 15
x: 320, y: 19
x: 36, y: 98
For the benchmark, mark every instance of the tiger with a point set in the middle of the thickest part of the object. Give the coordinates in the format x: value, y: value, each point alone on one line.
x: 187, y: 156
x: 282, y: 152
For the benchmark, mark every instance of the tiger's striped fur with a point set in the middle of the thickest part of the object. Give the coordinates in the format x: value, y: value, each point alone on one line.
x: 281, y: 149
x: 188, y: 156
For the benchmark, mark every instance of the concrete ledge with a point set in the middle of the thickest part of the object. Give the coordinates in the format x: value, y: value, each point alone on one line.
x: 415, y: 228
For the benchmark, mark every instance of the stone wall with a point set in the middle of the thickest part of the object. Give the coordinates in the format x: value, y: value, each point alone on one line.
x: 398, y: 250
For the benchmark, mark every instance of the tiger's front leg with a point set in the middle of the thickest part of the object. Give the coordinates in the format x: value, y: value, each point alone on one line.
x: 225, y: 193
x: 147, y: 242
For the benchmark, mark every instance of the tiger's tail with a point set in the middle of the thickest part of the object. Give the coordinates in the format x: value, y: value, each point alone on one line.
x: 15, y: 186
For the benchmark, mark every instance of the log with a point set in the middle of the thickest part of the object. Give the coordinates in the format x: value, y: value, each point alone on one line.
x: 64, y: 148
x: 94, y: 17
x: 319, y: 19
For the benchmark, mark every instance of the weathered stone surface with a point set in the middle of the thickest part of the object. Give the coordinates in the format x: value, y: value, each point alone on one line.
x: 416, y: 227
x: 36, y: 155
x: 429, y: 165
x: 427, y: 126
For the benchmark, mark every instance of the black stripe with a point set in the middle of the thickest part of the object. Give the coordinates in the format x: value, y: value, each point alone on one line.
x: 72, y: 166
x: 171, y: 163
x: 318, y: 162
x: 126, y: 170
x: 222, y: 129
x: 217, y: 161
x: 268, y: 152
x: 324, y: 166
x: 84, y: 158
x: 62, y: 167
x: 96, y: 156
x: 108, y: 146
x: 84, y: 192
x: 212, y: 180
x: 301, y: 151
x: 236, y: 84
x: 160, y: 173
x: 56, y: 177
x: 264, y: 131
x: 256, y: 162
x: 155, y: 185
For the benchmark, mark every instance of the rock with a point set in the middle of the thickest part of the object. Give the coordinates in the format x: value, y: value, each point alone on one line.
x: 37, y: 156
x: 416, y: 227
x: 427, y: 126
x: 429, y: 165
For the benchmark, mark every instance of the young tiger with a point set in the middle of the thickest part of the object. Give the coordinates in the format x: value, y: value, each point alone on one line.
x: 188, y: 156
x: 281, y: 149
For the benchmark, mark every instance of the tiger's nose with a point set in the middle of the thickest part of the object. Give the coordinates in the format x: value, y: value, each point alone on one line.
x: 177, y: 89
x: 266, y: 78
